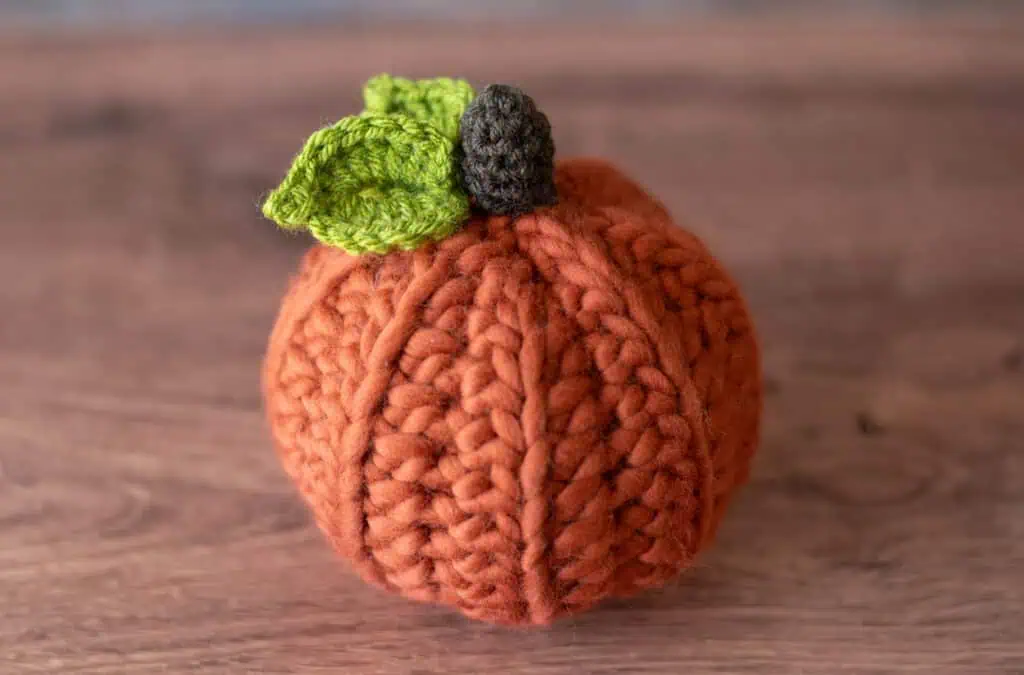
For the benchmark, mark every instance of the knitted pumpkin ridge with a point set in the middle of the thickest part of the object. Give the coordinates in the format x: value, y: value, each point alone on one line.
x: 545, y: 401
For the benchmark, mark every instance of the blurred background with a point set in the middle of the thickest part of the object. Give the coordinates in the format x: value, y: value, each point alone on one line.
x: 106, y: 12
x: 858, y: 166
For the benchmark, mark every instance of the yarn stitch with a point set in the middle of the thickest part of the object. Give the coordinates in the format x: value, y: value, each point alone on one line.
x: 439, y: 102
x: 372, y: 183
x: 507, y: 152
x: 527, y: 417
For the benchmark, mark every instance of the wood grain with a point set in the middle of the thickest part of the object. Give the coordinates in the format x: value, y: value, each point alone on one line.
x: 864, y: 180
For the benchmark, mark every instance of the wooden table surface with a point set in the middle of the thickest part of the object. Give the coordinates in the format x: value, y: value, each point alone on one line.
x: 863, y: 179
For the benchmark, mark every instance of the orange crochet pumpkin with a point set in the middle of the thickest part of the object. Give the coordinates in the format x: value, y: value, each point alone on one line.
x: 527, y: 416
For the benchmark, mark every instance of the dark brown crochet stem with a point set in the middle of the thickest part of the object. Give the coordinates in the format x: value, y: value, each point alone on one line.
x: 507, y: 153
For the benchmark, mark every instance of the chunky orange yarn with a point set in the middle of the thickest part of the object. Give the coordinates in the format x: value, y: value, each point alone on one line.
x: 526, y: 418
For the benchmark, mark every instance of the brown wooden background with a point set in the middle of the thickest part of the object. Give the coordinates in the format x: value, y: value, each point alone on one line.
x: 863, y: 179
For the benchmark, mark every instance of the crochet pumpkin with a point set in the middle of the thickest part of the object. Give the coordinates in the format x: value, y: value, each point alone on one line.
x: 503, y: 384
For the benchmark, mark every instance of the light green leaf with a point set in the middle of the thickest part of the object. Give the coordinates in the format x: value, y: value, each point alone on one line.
x: 439, y: 101
x: 371, y: 184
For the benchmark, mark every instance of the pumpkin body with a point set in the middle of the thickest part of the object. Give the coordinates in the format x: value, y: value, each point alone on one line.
x: 527, y: 417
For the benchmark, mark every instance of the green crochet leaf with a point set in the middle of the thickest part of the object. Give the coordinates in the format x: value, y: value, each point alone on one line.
x: 439, y: 101
x: 371, y: 184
